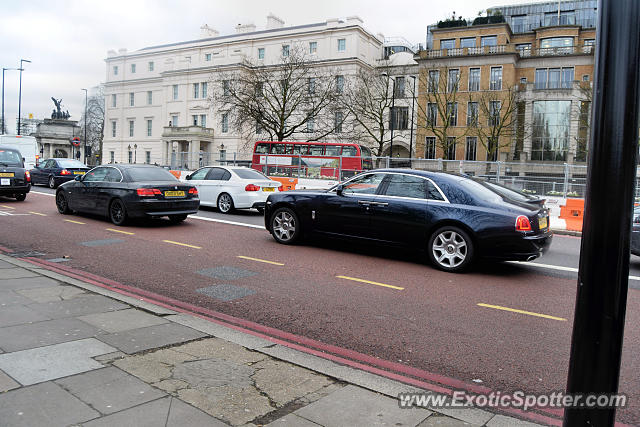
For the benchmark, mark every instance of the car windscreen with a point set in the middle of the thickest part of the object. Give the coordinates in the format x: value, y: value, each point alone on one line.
x: 10, y: 157
x: 150, y: 174
x: 506, y: 192
x: 249, y: 174
x: 71, y: 164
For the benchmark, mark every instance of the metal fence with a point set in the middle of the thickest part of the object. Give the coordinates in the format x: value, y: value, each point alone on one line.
x: 195, y: 160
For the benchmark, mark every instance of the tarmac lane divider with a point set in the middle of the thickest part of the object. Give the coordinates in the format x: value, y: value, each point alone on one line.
x: 120, y: 231
x: 37, y: 213
x: 259, y: 260
x: 528, y: 313
x: 182, y: 244
x: 8, y: 207
x: 355, y: 279
x: 75, y: 222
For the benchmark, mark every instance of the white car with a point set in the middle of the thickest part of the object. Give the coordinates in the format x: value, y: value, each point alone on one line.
x: 232, y: 187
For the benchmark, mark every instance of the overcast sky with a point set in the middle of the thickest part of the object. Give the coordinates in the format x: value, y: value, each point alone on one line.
x: 67, y: 41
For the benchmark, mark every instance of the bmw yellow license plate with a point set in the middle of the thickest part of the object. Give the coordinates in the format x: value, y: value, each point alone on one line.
x: 174, y: 194
x: 78, y: 173
x: 543, y: 222
x: 268, y: 189
x: 6, y: 174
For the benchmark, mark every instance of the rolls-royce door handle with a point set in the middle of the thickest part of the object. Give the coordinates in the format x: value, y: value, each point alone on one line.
x: 365, y: 203
x: 380, y: 203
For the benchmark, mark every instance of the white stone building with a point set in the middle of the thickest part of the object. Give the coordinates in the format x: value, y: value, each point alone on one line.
x: 156, y: 97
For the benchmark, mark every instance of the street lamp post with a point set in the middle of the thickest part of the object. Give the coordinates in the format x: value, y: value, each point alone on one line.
x: 413, y: 107
x: 85, y: 125
x: 135, y: 153
x: 4, y: 128
x: 391, y: 115
x: 20, y: 92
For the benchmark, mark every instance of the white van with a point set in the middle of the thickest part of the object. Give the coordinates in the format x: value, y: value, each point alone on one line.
x: 27, y: 145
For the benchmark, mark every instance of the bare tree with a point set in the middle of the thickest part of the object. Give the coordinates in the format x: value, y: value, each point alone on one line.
x: 584, y: 122
x: 293, y: 97
x: 94, y: 123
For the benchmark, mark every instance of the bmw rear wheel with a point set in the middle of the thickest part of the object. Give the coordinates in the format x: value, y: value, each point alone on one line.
x: 225, y: 203
x: 62, y: 204
x: 175, y: 219
x: 117, y: 212
x: 20, y: 197
x: 52, y: 182
x: 285, y: 227
x: 450, y: 249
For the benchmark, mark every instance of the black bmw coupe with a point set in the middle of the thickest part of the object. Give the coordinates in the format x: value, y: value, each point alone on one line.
x: 455, y: 218
x: 124, y: 191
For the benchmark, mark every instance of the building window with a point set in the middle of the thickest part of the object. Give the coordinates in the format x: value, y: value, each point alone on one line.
x: 567, y: 77
x: 474, y: 79
x: 115, y: 70
x: 471, y: 148
x: 518, y: 23
x: 175, y: 92
x: 342, y: 45
x: 203, y: 120
x: 585, y: 77
x: 551, y: 127
x: 149, y: 127
x: 225, y: 122
x: 434, y: 80
x: 399, y: 85
x: 451, y: 148
x: 285, y: 50
x: 147, y: 157
x: 494, y: 113
x: 452, y: 113
x: 432, y: 114
x: 492, y: 149
x: 207, y: 57
x: 203, y: 85
x: 495, y: 82
x: 399, y: 118
x: 151, y: 65
x: 133, y: 68
x: 523, y: 80
x: 196, y: 90
x: 557, y: 45
x: 472, y: 114
x: 489, y: 41
x: 554, y: 78
x: 131, y: 99
x: 448, y: 44
x: 339, y: 118
x: 339, y: 84
x: 113, y: 129
x: 261, y: 53
x: 112, y: 156
x: 226, y: 88
x: 524, y: 49
x: 311, y: 125
x: 566, y: 18
x: 313, y: 47
x: 130, y: 156
x: 468, y: 42
x: 194, y: 117
x: 452, y: 82
x: 131, y: 124
x: 149, y: 97
x: 114, y: 98
x: 174, y: 121
x: 311, y: 85
x: 259, y: 90
x: 430, y: 147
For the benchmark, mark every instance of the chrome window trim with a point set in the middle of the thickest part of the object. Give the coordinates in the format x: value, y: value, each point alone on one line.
x: 106, y: 166
x: 446, y: 200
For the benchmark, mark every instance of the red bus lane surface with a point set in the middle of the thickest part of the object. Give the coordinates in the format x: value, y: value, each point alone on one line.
x: 500, y: 326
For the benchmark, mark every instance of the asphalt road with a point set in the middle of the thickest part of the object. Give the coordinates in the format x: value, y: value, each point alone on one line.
x: 387, y: 304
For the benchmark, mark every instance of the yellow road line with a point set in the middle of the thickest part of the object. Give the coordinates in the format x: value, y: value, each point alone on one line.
x: 8, y: 207
x: 182, y: 244
x: 370, y: 282
x: 37, y: 213
x: 120, y: 231
x: 75, y: 222
x: 260, y: 260
x: 528, y: 313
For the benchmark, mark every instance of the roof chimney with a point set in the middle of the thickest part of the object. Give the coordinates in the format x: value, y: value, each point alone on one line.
x: 245, y: 28
x: 274, y: 22
x: 207, y: 31
x: 354, y: 20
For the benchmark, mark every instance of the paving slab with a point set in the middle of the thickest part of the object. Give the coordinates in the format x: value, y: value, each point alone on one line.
x: 122, y: 320
x: 16, y: 273
x: 22, y: 337
x: 4, y: 264
x: 45, y: 404
x: 444, y: 421
x: 504, y: 421
x: 109, y: 389
x: 51, y: 293
x: 150, y: 337
x: 169, y: 412
x: 354, y: 406
x: 54, y: 361
x: 7, y: 383
x: 10, y: 297
x: 18, y: 315
x: 27, y: 282
x: 86, y: 304
x: 292, y: 420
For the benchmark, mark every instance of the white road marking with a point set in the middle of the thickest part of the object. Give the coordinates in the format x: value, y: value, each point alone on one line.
x: 556, y: 267
x: 204, y: 218
x: 44, y: 194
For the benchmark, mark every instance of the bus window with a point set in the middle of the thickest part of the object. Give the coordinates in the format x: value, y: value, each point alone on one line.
x: 288, y: 149
x: 349, y: 151
x: 316, y: 150
x: 277, y: 148
x: 262, y: 148
x: 300, y: 149
x: 332, y: 150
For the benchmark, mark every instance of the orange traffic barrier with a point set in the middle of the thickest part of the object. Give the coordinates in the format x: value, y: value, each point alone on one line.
x: 287, y: 183
x: 573, y: 213
x: 176, y: 174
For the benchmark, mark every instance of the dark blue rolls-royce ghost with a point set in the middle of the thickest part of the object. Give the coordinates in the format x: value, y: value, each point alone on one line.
x: 455, y: 218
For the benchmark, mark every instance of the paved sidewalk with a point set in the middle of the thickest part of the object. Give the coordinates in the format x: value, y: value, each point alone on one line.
x: 72, y: 353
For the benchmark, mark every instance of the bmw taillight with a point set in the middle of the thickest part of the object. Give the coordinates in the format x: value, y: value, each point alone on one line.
x: 251, y: 187
x: 281, y: 188
x: 65, y: 172
x: 193, y: 191
x: 27, y: 176
x: 523, y: 224
x: 148, y: 192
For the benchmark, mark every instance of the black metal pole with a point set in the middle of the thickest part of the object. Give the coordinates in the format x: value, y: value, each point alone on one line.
x: 3, y: 126
x: 20, y: 93
x: 413, y: 106
x: 85, y: 125
x: 393, y: 119
x: 596, y: 347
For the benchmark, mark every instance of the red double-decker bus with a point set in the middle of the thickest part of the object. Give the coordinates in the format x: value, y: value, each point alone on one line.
x: 324, y: 160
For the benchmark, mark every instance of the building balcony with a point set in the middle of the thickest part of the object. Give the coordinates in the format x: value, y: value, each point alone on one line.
x: 187, y: 133
x: 505, y: 49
